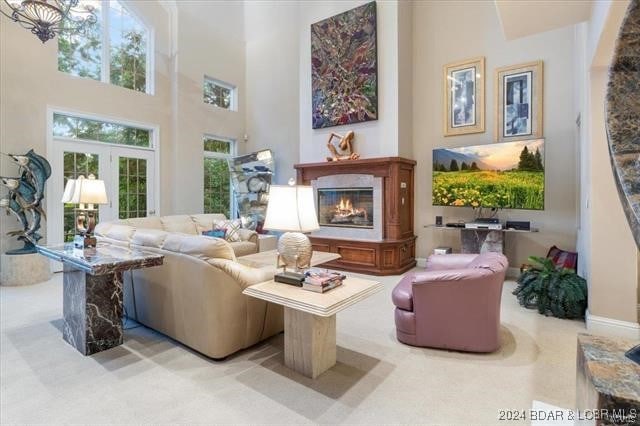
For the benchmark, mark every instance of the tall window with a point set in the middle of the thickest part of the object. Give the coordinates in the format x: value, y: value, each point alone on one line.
x: 220, y: 94
x: 115, y: 50
x: 217, y: 178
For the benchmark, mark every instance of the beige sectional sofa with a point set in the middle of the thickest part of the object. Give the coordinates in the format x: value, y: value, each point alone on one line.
x: 196, y: 296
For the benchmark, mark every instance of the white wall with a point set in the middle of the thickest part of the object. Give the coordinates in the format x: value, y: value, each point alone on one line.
x: 374, y: 138
x: 216, y: 50
x: 273, y: 83
x: 608, y: 254
x: 475, y: 31
x: 30, y: 81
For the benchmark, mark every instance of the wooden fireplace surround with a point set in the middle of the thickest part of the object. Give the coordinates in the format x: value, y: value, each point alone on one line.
x: 395, y: 253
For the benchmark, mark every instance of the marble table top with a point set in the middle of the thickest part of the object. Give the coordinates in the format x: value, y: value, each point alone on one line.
x: 103, y: 259
x: 611, y: 373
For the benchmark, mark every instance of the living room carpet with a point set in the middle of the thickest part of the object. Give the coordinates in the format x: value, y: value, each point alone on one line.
x: 153, y: 379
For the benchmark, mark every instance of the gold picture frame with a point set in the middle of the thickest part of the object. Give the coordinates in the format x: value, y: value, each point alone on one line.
x: 519, y: 94
x: 463, y: 105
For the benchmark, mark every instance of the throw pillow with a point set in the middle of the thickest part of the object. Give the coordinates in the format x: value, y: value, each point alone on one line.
x: 216, y: 233
x: 233, y: 229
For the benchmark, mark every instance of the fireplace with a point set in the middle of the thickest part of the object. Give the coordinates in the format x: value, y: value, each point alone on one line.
x: 346, y: 207
x: 365, y: 213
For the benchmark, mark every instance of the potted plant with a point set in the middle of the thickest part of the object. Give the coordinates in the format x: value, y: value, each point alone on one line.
x: 552, y: 290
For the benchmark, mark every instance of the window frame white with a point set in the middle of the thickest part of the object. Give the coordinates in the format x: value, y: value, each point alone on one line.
x: 233, y: 149
x: 105, y: 58
x: 57, y: 179
x: 233, y: 103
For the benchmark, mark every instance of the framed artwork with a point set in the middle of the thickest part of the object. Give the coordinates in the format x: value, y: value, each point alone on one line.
x: 519, y: 91
x: 464, y: 97
x: 344, y: 68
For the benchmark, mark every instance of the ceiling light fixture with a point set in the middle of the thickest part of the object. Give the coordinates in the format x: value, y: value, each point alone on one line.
x: 48, y: 18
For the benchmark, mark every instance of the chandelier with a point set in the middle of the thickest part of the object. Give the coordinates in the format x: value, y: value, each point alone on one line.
x: 47, y: 18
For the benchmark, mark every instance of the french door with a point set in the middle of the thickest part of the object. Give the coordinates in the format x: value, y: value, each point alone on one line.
x: 128, y: 174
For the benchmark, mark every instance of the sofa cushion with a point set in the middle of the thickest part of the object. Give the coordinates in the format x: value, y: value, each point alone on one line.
x: 402, y: 294
x: 206, y: 221
x: 119, y: 232
x: 199, y: 246
x: 151, y: 222
x: 149, y: 237
x: 243, y: 248
x: 491, y: 261
x: 179, y: 223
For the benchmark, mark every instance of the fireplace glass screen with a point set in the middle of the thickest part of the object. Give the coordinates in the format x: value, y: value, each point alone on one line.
x: 346, y: 207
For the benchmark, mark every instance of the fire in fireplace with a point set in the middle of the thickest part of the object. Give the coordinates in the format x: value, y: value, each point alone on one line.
x: 346, y: 207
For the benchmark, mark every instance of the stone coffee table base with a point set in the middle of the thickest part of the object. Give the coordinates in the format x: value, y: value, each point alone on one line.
x: 310, y: 320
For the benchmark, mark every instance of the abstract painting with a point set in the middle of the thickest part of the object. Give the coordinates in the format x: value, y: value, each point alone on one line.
x: 464, y: 97
x: 519, y: 102
x: 344, y: 68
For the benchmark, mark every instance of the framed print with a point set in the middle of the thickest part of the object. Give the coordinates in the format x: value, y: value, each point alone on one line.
x: 464, y: 97
x: 519, y: 91
x: 344, y: 68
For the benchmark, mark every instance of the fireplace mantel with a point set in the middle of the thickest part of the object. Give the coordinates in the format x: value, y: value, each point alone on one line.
x: 378, y: 167
x: 394, y: 253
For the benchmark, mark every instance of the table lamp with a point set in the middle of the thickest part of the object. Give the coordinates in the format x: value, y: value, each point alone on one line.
x: 87, y: 193
x: 292, y: 209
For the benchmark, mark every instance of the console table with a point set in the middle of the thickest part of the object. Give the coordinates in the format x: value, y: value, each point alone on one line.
x: 481, y: 240
x: 92, y: 291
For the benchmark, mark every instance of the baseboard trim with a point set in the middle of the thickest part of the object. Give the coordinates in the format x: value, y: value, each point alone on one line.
x: 612, y: 327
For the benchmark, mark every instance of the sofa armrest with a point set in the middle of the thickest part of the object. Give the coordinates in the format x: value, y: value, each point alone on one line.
x: 438, y: 262
x: 249, y: 235
x: 244, y: 275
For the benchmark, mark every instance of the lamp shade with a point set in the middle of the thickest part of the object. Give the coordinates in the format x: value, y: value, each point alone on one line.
x: 86, y: 191
x: 291, y: 208
x: 69, y: 189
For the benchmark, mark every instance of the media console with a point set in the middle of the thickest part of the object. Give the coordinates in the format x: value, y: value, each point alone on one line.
x: 481, y: 240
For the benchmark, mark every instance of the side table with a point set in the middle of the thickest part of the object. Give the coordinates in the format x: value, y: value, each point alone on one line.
x: 310, y: 320
x: 92, y: 295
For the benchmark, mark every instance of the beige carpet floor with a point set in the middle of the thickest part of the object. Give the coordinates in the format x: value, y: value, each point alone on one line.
x: 152, y: 379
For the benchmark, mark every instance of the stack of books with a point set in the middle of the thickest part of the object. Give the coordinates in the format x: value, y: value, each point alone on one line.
x: 320, y: 280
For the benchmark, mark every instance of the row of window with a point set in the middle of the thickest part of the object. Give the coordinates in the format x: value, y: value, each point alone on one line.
x: 217, y: 151
x: 117, y: 49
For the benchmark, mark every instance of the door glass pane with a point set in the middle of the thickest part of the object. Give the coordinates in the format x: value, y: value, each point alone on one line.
x: 132, y: 187
x: 217, y: 196
x: 76, y: 164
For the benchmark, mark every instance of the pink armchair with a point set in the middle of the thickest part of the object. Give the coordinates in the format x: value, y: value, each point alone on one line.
x: 454, y: 304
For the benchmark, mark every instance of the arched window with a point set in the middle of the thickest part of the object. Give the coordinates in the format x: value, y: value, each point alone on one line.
x: 115, y: 50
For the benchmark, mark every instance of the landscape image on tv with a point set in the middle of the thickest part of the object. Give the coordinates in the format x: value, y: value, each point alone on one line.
x: 501, y: 175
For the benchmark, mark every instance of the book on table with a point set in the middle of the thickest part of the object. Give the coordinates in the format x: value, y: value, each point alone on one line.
x: 321, y: 288
x: 319, y: 276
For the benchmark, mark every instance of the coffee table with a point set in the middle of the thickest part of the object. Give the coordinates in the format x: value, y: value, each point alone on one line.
x: 310, y: 320
x: 270, y: 258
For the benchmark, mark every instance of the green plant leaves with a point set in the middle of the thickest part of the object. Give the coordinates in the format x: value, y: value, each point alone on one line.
x: 558, y: 292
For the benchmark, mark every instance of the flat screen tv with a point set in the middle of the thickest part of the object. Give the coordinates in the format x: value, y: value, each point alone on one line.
x: 507, y: 175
